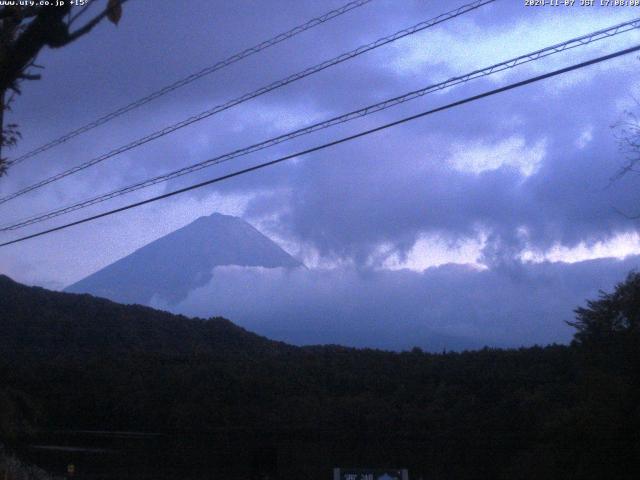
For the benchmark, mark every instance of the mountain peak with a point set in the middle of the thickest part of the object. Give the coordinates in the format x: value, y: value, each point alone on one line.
x: 170, y: 267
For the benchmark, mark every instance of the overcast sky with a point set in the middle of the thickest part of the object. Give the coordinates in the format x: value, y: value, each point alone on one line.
x: 518, y: 182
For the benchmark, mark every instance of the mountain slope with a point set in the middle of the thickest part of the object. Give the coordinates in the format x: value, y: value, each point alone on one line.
x: 35, y: 321
x: 168, y: 268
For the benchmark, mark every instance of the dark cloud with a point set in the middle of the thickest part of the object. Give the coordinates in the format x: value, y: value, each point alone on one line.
x: 400, y: 184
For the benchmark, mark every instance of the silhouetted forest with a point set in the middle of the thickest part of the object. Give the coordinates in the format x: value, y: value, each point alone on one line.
x: 77, y: 362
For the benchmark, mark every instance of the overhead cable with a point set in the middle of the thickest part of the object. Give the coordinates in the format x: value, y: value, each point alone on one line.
x: 362, y: 112
x: 248, y: 96
x: 333, y: 143
x: 314, y: 22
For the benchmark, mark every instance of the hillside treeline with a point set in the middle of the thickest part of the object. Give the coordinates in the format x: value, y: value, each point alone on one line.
x: 78, y: 362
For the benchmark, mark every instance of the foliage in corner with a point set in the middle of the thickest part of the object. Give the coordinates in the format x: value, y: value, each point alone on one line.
x: 24, y: 31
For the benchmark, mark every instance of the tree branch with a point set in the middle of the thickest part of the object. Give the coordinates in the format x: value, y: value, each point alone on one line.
x: 95, y: 21
x: 82, y: 11
x: 24, y: 31
x: 48, y: 28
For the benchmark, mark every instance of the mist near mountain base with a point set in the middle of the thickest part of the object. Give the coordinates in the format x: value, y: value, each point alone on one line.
x: 453, y: 307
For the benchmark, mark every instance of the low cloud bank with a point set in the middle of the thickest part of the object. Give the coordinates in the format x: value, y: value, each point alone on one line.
x: 450, y: 307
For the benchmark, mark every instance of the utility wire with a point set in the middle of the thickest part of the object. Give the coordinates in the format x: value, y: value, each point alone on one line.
x: 335, y: 142
x: 193, y: 77
x: 507, y: 64
x: 248, y: 96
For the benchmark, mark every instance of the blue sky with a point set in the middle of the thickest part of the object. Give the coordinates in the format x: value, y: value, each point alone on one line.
x: 514, y: 183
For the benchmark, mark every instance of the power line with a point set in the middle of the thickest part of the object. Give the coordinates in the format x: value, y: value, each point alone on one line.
x: 335, y: 142
x: 256, y: 93
x: 314, y: 22
x: 507, y: 64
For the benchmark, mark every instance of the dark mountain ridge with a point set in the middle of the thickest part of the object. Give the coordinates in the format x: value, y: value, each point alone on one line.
x: 58, y: 324
x: 76, y: 362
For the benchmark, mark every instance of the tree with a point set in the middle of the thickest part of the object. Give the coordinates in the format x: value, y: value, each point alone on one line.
x: 612, y: 315
x: 603, y: 423
x: 627, y: 133
x: 25, y: 31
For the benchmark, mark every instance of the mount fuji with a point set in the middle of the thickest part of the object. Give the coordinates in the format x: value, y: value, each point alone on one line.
x: 170, y: 267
